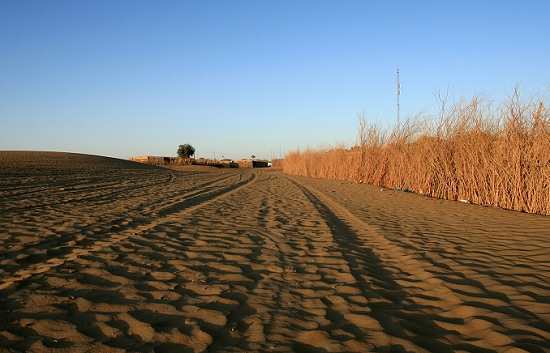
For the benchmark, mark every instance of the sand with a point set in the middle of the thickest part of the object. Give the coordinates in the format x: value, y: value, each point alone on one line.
x: 105, y: 255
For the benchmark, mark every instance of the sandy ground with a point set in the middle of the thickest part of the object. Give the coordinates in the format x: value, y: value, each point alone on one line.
x: 103, y: 255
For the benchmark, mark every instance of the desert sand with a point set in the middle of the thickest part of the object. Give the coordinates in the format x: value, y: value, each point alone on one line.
x: 106, y: 255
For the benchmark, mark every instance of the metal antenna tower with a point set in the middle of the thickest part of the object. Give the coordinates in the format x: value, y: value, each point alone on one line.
x: 398, y: 93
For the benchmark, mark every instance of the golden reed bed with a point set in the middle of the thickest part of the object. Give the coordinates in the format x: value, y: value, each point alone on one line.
x: 472, y: 152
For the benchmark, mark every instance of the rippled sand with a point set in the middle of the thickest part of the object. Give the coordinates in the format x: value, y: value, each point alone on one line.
x: 103, y: 255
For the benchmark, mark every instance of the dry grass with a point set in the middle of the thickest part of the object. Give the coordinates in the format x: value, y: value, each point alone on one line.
x: 277, y: 163
x: 493, y: 157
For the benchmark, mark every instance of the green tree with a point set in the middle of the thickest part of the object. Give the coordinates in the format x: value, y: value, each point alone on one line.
x: 186, y: 151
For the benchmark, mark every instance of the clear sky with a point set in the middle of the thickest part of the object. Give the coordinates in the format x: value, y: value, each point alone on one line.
x: 236, y: 78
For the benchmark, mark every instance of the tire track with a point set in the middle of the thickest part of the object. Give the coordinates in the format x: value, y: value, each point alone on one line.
x: 108, y: 196
x: 119, y: 223
x: 250, y: 262
x: 422, y: 303
x: 191, y: 203
x: 76, y: 187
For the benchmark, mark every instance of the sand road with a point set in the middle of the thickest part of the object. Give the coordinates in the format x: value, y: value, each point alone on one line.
x: 103, y: 255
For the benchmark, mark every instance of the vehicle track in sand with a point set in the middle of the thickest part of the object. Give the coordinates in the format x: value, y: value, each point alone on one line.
x: 134, y: 209
x: 195, y: 197
x: 423, y: 308
x: 256, y: 261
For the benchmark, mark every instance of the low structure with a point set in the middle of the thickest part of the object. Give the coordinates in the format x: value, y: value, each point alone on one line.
x: 161, y: 160
x: 253, y: 163
x: 260, y: 164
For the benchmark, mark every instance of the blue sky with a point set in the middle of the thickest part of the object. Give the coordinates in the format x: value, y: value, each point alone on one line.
x: 236, y: 78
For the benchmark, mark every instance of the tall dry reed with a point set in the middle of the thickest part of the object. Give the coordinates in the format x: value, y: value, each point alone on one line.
x: 493, y: 157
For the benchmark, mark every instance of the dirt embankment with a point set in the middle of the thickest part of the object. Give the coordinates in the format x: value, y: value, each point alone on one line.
x: 149, y: 259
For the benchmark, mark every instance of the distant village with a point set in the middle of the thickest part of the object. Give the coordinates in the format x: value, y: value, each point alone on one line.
x: 219, y: 163
x: 186, y: 156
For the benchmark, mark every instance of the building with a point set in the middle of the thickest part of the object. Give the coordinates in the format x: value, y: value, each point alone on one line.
x: 252, y: 163
x: 161, y: 160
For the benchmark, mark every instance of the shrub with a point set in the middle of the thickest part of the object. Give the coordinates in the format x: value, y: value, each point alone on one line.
x: 186, y: 151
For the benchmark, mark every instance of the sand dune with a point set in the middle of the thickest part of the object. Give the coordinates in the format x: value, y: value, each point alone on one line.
x: 104, y: 255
